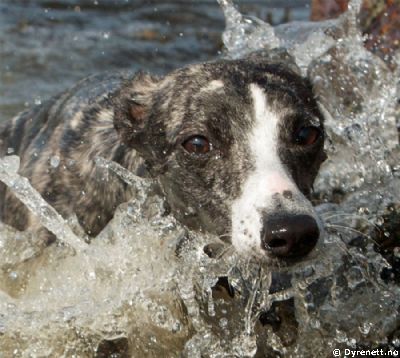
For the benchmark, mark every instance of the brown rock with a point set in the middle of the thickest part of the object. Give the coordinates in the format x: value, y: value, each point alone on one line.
x: 379, y: 20
x: 327, y: 9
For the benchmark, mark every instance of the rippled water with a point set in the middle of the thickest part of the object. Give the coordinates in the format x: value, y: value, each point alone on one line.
x: 46, y: 46
x: 149, y: 287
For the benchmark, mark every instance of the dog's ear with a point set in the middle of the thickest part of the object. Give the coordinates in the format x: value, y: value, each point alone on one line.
x: 132, y: 107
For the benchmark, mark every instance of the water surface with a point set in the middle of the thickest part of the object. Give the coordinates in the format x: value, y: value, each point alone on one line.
x: 46, y: 46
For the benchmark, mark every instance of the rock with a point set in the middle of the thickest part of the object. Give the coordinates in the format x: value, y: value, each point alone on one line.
x: 379, y: 20
x: 327, y: 9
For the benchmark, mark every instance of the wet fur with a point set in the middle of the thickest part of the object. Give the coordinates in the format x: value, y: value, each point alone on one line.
x: 140, y: 121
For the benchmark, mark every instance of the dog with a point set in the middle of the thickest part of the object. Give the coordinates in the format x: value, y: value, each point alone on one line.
x: 234, y: 145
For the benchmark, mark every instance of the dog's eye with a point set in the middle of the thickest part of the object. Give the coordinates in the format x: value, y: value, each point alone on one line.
x: 307, y: 135
x: 197, y: 145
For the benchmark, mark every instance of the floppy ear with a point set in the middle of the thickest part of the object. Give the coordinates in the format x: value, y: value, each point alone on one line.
x: 132, y: 107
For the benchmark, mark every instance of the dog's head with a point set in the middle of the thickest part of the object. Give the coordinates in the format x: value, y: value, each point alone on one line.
x: 236, y: 146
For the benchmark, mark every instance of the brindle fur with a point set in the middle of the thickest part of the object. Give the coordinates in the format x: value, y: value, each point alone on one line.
x: 140, y: 121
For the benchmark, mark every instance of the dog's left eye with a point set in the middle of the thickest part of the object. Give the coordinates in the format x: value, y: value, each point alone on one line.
x: 197, y: 145
x: 307, y: 135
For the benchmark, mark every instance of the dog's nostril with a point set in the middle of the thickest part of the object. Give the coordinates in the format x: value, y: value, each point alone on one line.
x: 289, y: 235
x: 277, y: 243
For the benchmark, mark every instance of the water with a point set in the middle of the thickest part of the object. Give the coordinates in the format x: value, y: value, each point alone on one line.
x: 47, y: 46
x: 149, y: 287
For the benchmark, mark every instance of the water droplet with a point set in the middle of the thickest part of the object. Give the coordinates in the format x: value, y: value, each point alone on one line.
x: 176, y: 327
x: 341, y: 336
x: 13, y: 275
x: 365, y: 328
x: 223, y: 322
x: 92, y: 275
x: 396, y: 342
x: 55, y: 161
x: 354, y: 277
x: 315, y: 323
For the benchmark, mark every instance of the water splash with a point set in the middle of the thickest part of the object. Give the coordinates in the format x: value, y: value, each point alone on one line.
x: 147, y: 286
x: 259, y: 34
x: 47, y: 216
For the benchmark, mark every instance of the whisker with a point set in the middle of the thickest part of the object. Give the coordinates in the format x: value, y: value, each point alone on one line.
x: 352, y: 230
x: 343, y: 246
x: 363, y: 263
x: 225, y: 237
x: 350, y: 216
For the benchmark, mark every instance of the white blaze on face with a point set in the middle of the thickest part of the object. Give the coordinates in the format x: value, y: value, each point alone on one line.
x: 268, y: 177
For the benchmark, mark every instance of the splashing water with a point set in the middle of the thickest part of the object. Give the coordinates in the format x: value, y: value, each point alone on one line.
x: 257, y: 33
x: 48, y: 217
x: 147, y: 286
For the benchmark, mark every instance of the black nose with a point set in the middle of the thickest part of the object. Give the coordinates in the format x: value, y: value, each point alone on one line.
x: 289, y: 235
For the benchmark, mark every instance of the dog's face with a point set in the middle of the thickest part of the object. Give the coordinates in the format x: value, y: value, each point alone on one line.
x: 236, y: 146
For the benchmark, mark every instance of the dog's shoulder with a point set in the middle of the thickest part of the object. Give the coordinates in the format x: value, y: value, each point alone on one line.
x: 40, y: 125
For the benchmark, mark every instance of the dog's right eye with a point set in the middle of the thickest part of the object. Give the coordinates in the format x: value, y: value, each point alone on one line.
x: 197, y: 145
x: 307, y: 135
